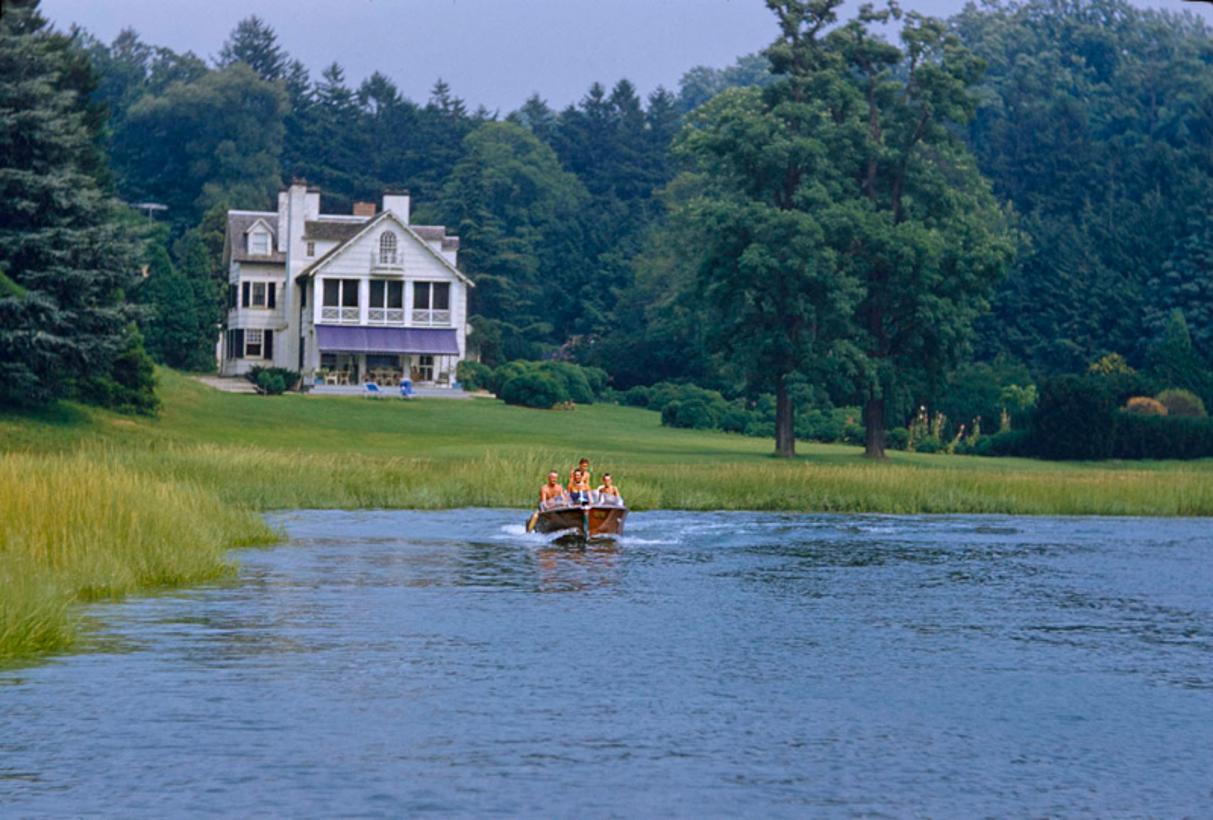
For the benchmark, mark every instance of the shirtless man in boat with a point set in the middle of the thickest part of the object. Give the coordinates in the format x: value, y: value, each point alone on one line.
x: 551, y: 491
x: 551, y: 494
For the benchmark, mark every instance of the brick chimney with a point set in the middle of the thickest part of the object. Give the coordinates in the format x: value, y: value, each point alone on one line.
x: 364, y: 209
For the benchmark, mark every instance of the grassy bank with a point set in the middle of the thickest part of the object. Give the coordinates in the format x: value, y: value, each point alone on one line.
x: 83, y: 527
x: 95, y: 505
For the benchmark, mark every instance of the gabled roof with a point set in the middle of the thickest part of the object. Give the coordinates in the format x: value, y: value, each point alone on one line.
x: 364, y: 228
x: 239, y: 223
x: 263, y: 223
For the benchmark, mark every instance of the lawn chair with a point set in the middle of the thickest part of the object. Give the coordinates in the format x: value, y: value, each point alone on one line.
x: 372, y: 390
x: 406, y: 388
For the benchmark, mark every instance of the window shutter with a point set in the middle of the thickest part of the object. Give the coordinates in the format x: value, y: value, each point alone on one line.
x: 239, y: 344
x: 272, y: 298
x: 245, y: 291
x: 268, y: 350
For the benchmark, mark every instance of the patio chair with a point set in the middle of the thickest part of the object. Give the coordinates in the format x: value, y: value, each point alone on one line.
x: 406, y: 389
x: 372, y: 390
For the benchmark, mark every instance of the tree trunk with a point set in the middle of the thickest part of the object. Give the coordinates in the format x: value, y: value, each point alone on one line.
x: 873, y: 423
x: 785, y: 421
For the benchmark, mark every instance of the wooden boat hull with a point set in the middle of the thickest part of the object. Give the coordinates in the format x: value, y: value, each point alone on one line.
x: 587, y: 522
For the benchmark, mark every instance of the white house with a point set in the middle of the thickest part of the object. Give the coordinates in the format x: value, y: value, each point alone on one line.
x: 343, y: 299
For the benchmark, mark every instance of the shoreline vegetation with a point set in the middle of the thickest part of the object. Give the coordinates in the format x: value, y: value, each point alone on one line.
x: 94, y: 505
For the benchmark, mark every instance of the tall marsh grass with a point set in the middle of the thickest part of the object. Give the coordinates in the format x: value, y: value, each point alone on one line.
x: 84, y: 527
x: 266, y: 479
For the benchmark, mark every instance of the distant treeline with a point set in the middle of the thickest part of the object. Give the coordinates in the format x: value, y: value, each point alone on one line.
x: 1093, y: 123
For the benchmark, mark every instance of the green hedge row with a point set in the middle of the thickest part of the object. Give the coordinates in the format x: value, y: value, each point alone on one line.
x: 535, y: 384
x: 1077, y: 419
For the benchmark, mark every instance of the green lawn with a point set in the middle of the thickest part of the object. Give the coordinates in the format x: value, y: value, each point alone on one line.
x: 93, y: 504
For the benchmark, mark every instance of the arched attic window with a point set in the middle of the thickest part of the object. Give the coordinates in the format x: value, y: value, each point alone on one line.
x: 387, y: 248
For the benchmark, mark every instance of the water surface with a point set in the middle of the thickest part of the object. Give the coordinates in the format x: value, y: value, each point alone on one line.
x: 387, y: 663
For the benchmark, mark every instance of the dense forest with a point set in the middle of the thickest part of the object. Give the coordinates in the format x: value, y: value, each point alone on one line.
x: 1051, y: 159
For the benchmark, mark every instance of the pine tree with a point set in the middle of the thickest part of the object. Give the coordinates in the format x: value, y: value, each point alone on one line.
x: 255, y: 44
x: 67, y: 251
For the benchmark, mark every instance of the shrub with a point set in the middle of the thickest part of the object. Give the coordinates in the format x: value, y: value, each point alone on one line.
x: 853, y: 433
x: 506, y: 372
x: 736, y: 419
x: 930, y: 444
x: 273, y: 381
x: 1145, y: 406
x: 897, y: 439
x: 270, y: 383
x: 693, y: 413
x: 574, y: 385
x: 598, y: 379
x: 1182, y: 403
x: 474, y: 375
x: 635, y: 397
x: 532, y: 388
x: 1074, y: 419
x: 1005, y: 443
x: 825, y: 425
x: 1139, y: 436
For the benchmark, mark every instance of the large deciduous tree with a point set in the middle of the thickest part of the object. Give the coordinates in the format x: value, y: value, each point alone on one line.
x: 846, y: 224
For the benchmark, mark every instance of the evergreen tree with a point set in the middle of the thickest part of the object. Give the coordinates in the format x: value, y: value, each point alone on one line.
x: 1185, y: 283
x: 179, y: 328
x: 1174, y: 362
x: 67, y: 252
x: 255, y: 44
x: 514, y: 208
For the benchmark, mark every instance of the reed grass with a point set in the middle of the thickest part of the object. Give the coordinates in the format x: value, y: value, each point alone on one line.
x: 84, y: 527
x: 94, y: 505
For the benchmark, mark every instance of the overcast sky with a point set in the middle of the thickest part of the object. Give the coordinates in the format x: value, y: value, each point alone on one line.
x: 491, y: 52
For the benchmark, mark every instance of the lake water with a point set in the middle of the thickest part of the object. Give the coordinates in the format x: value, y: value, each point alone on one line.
x: 388, y: 663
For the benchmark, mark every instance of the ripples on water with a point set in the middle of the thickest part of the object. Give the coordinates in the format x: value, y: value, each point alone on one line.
x: 386, y: 663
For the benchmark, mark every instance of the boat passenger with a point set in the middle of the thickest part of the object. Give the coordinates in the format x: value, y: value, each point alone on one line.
x: 579, y: 487
x: 551, y: 493
x: 608, y: 493
x: 584, y: 466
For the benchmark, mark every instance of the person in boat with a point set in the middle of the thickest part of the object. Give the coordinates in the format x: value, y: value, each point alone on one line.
x: 551, y: 494
x: 584, y: 466
x: 579, y: 487
x: 608, y: 493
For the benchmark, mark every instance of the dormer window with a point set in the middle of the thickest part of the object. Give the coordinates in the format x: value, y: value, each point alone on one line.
x: 259, y: 243
x: 387, y: 248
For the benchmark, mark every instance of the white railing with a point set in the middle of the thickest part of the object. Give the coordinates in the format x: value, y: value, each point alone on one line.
x: 431, y: 317
x: 385, y: 316
x: 339, y: 314
x: 387, y: 260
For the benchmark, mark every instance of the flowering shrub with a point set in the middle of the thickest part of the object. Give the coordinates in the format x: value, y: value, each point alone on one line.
x: 1145, y: 406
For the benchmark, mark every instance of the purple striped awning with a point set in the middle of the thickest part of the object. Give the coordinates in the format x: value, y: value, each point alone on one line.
x: 361, y: 339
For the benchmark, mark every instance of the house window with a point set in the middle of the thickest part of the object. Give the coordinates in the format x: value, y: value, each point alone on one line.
x: 432, y: 303
x: 259, y: 294
x: 259, y: 243
x: 340, y: 300
x: 252, y: 344
x: 311, y: 248
x: 387, y: 301
x: 424, y: 371
x: 387, y: 248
